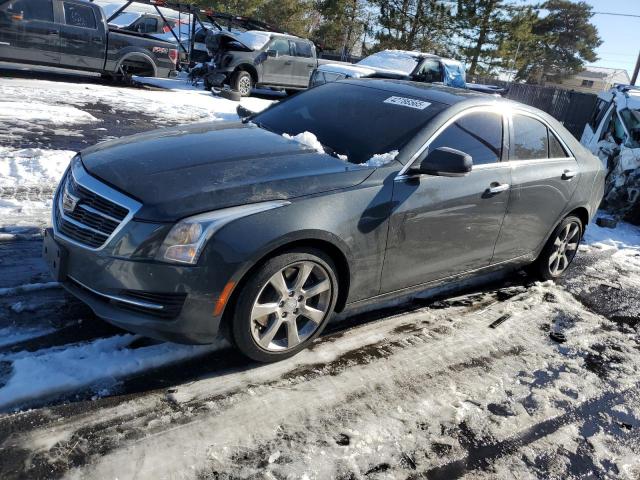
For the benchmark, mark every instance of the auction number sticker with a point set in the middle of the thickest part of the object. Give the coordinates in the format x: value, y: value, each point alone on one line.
x: 408, y: 102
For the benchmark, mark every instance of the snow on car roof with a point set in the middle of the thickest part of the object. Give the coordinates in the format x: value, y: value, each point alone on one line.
x: 400, y: 61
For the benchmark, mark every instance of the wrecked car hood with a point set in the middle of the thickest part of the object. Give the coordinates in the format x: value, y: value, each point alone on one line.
x: 182, y: 171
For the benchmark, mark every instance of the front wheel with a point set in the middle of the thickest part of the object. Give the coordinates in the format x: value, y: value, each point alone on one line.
x: 285, y: 305
x: 561, y: 248
x: 242, y: 82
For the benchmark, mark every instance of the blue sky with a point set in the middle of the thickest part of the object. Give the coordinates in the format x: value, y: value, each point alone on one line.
x: 620, y: 35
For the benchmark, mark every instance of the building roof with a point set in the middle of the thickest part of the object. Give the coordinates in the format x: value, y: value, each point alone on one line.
x: 616, y: 75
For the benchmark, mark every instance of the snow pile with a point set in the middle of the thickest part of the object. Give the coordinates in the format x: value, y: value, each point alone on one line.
x: 307, y: 139
x: 380, y: 159
x: 32, y: 166
x: 12, y: 335
x: 43, y: 112
x: 54, y: 371
x: 624, y: 235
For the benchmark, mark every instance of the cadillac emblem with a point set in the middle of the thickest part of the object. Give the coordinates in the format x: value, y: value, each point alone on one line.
x: 69, y: 201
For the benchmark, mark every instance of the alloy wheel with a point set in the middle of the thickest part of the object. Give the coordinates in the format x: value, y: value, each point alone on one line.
x: 244, y: 86
x: 291, y: 306
x: 565, y: 247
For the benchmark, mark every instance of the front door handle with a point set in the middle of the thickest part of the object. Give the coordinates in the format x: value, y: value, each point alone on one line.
x: 288, y: 62
x: 499, y: 187
x: 52, y: 32
x: 569, y: 174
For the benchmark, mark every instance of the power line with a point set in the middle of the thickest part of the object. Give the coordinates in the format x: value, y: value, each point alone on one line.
x: 617, y: 14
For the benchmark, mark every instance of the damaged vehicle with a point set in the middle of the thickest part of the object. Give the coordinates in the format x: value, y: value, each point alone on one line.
x: 74, y: 34
x: 254, y: 58
x: 613, y: 134
x: 348, y: 194
x: 401, y: 64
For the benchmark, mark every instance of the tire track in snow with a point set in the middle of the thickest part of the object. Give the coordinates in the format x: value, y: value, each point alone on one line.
x: 392, y: 338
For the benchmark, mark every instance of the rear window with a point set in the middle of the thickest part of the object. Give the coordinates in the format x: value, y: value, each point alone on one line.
x: 530, y: 141
x: 352, y: 120
x: 32, y: 9
x: 79, y: 16
x: 303, y: 49
x: 556, y: 150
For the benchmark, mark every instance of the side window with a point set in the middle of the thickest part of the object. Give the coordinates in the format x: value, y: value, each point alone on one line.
x: 478, y: 134
x: 556, y: 150
x: 303, y: 49
x: 79, y: 16
x: 32, y: 9
x: 430, y: 71
x: 281, y: 46
x: 530, y: 141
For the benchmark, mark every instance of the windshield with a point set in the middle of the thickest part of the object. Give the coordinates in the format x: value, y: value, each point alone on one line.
x: 403, y: 62
x: 351, y: 120
x: 124, y: 19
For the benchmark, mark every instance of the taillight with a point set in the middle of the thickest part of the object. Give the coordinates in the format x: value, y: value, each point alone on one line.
x: 173, y: 55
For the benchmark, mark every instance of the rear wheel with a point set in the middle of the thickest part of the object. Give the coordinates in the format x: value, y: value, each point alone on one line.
x: 242, y: 82
x: 561, y: 249
x: 285, y: 305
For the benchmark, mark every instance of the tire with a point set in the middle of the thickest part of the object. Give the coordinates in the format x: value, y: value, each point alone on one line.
x: 560, y: 249
x: 270, y: 321
x: 242, y: 82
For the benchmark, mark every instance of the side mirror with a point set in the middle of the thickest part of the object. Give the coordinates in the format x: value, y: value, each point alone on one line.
x: 272, y: 53
x: 444, y: 162
x: 244, y: 113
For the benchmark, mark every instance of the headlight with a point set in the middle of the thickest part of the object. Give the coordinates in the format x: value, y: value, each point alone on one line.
x: 186, y: 240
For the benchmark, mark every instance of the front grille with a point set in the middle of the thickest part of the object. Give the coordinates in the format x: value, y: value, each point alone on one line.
x: 84, y: 216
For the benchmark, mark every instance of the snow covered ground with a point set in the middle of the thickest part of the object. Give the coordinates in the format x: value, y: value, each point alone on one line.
x: 507, y: 379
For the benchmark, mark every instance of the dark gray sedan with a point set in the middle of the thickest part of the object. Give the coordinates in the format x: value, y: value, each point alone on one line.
x: 350, y: 193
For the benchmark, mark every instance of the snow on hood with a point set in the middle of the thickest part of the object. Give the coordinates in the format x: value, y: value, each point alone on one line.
x: 352, y: 71
x: 380, y: 159
x: 253, y: 39
x: 393, y: 60
x: 307, y: 139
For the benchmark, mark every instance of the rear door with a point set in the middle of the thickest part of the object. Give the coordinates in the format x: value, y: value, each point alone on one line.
x: 82, y: 36
x: 278, y: 66
x: 544, y: 175
x: 28, y: 32
x: 443, y: 226
x: 304, y: 62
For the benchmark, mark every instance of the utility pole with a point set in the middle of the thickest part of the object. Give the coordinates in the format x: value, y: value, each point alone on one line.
x: 635, y: 71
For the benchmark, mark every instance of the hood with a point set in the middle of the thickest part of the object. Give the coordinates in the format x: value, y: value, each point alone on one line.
x: 183, y: 171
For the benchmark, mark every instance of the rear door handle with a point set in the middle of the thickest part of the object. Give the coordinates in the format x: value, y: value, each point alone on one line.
x: 569, y: 174
x: 288, y: 62
x: 499, y: 187
x: 52, y: 32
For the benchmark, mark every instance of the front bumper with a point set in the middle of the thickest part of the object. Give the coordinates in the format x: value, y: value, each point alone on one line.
x: 168, y: 302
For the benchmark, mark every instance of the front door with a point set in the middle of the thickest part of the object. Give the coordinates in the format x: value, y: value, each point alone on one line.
x: 28, y: 32
x: 278, y: 66
x: 82, y: 38
x: 443, y: 226
x: 544, y: 176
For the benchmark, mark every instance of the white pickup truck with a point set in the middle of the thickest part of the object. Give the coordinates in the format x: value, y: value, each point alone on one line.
x: 613, y: 134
